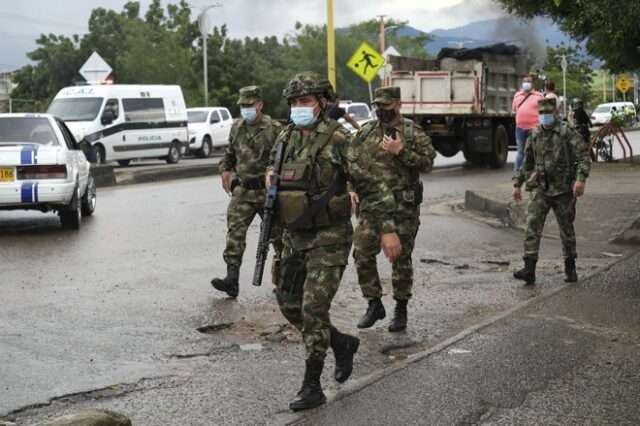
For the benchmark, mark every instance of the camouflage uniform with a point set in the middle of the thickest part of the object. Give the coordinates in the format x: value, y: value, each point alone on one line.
x: 400, y: 173
x: 560, y: 154
x: 314, y: 257
x: 248, y: 156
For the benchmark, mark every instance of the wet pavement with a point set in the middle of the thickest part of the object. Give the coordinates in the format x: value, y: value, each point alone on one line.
x: 121, y: 314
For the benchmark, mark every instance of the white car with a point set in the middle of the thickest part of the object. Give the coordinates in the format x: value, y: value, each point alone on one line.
x: 358, y: 110
x: 209, y: 129
x: 602, y: 113
x: 42, y: 167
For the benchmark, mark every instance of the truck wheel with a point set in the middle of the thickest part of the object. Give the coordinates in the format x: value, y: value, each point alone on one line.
x: 498, y: 158
x: 475, y: 158
x: 205, y: 150
x: 174, y: 153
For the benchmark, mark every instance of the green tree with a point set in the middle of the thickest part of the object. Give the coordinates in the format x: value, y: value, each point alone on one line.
x: 578, y: 75
x: 610, y: 28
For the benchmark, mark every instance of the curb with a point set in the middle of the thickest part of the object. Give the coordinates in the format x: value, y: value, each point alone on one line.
x: 107, y: 175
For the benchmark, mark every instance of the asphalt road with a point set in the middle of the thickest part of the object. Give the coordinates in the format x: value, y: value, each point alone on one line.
x: 121, y: 315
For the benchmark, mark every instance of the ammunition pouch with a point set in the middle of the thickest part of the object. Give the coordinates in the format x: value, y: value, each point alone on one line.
x: 538, y: 180
x: 296, y: 175
x: 412, y: 195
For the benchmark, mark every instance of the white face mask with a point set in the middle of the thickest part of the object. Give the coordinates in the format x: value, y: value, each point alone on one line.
x: 303, y: 116
x: 249, y: 114
x: 526, y: 85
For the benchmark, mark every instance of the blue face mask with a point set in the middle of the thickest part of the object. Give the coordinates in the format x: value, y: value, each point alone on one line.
x: 526, y: 85
x: 546, y: 119
x: 249, y: 114
x: 303, y: 116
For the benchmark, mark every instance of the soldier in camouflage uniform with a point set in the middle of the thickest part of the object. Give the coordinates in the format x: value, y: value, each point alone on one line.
x: 398, y: 161
x: 248, y: 156
x: 315, y: 206
x: 556, y: 166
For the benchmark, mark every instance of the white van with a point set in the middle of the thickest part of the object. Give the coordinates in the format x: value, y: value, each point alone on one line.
x: 209, y: 127
x: 602, y: 113
x: 121, y: 122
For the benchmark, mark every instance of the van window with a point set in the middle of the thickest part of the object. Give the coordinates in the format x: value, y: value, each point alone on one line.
x: 215, y: 117
x: 76, y: 109
x: 225, y: 114
x: 112, y: 105
x: 143, y: 110
x: 602, y: 108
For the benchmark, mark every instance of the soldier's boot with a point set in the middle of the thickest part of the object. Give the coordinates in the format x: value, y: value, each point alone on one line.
x: 528, y: 273
x: 310, y: 395
x: 399, y: 320
x: 375, y: 312
x: 344, y: 348
x: 570, y: 274
x: 228, y: 284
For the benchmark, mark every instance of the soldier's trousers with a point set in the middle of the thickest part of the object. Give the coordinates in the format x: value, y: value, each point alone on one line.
x: 243, y: 208
x: 366, y: 246
x: 308, y: 282
x: 564, y: 208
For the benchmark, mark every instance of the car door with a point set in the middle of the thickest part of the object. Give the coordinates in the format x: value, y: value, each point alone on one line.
x: 75, y: 156
x: 217, y: 129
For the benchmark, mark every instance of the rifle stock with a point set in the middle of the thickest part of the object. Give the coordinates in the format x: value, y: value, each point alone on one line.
x: 269, y: 215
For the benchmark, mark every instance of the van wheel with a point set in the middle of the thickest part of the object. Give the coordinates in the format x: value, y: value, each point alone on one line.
x: 498, y: 157
x: 96, y: 155
x: 174, y: 154
x: 89, y: 198
x: 205, y: 150
x: 71, y: 215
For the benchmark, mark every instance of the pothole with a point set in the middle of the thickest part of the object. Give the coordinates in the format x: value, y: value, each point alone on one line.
x: 214, y: 328
x: 403, y: 350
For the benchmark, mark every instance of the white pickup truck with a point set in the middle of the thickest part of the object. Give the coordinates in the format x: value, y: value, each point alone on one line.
x: 209, y: 129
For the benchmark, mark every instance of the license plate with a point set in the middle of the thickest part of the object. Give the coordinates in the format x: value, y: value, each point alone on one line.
x: 7, y: 174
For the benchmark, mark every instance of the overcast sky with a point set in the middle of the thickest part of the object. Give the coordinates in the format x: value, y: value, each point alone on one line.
x: 21, y: 22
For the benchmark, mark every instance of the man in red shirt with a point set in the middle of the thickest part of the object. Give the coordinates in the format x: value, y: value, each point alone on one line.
x: 525, y: 105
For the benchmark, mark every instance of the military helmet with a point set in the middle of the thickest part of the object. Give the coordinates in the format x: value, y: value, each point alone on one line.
x: 307, y: 83
x: 576, y: 103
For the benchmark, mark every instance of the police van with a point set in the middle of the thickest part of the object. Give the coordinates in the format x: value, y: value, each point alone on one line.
x: 120, y: 122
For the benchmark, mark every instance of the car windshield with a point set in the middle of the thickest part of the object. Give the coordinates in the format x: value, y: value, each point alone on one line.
x: 360, y: 112
x: 196, y: 116
x: 76, y: 109
x: 36, y: 130
x: 602, y: 108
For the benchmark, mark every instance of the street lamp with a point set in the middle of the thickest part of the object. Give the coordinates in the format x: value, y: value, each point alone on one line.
x: 204, y: 24
x: 564, y: 64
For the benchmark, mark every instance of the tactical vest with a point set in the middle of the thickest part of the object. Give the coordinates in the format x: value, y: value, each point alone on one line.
x: 565, y: 172
x: 300, y: 188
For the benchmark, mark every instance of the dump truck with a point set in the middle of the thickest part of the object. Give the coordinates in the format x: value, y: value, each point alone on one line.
x: 462, y: 99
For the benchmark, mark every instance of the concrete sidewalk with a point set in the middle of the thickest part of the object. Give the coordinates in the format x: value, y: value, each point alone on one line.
x: 609, y: 210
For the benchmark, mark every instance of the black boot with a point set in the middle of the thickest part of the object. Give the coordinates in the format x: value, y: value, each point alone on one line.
x: 399, y: 320
x: 570, y: 274
x: 528, y: 273
x: 344, y: 348
x: 310, y: 395
x: 375, y: 312
x: 228, y: 284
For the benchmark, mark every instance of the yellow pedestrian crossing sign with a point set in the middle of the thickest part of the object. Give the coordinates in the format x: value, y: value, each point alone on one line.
x: 366, y: 62
x: 623, y: 84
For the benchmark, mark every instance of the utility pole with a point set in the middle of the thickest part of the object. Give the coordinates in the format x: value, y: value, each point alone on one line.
x: 382, y: 47
x: 331, y: 47
x: 564, y: 64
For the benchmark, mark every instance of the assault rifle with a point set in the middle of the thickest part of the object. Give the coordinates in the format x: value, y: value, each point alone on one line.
x: 269, y: 215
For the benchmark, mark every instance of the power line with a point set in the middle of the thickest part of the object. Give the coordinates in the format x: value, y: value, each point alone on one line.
x: 30, y: 19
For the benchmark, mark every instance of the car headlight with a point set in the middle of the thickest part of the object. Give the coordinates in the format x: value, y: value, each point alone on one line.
x: 193, y: 131
x: 80, y: 134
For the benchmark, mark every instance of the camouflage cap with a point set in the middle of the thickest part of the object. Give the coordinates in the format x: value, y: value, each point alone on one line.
x: 249, y: 95
x: 547, y: 105
x: 387, y: 95
x: 306, y: 83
